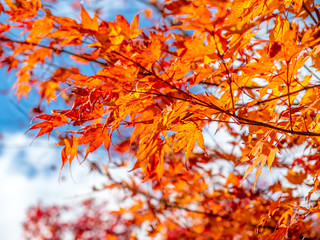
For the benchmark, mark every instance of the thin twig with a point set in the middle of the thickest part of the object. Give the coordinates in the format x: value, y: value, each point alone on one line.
x: 60, y: 50
x: 241, y: 120
x: 166, y: 203
x: 309, y: 13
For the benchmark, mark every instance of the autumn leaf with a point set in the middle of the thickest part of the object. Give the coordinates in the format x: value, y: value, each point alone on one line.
x: 271, y: 157
x: 70, y: 150
x: 281, y: 27
x: 50, y: 123
x: 48, y: 89
x: 87, y: 22
x: 186, y: 137
x: 40, y: 29
x: 94, y: 137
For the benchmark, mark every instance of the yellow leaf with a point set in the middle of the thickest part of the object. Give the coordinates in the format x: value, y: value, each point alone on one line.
x: 186, y: 137
x: 207, y: 60
x: 261, y: 159
x: 40, y: 28
x: 189, y: 148
x: 280, y: 29
x: 272, y: 156
x: 11, y: 4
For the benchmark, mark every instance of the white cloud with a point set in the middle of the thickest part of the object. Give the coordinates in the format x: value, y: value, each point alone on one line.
x: 26, y: 179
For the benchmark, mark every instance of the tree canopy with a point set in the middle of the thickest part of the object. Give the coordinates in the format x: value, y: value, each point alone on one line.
x: 199, y: 103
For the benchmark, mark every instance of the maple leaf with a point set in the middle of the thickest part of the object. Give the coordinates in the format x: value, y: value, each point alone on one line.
x: 40, y: 28
x: 280, y: 29
x: 186, y: 137
x: 70, y: 151
x: 87, y: 22
x: 48, y: 89
x: 95, y: 136
x: 50, y: 123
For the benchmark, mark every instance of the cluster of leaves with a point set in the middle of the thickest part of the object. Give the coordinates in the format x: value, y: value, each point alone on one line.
x: 48, y: 223
x: 244, y: 68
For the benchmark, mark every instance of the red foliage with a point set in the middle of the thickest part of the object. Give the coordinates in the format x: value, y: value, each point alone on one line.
x: 157, y: 101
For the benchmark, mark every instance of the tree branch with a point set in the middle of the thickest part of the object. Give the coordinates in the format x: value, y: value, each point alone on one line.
x: 309, y: 13
x: 242, y: 120
x: 60, y: 50
x: 166, y: 203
